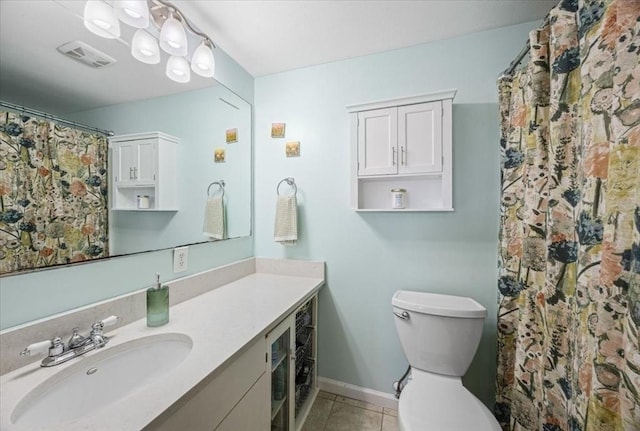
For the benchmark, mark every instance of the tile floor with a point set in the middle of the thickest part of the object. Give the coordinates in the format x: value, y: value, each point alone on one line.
x: 335, y: 413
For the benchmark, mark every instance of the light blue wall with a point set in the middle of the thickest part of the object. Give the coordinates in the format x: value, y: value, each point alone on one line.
x: 199, y: 120
x: 35, y: 295
x: 371, y: 255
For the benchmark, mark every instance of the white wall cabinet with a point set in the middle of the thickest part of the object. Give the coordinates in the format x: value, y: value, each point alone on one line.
x: 402, y: 144
x: 144, y: 164
x: 291, y: 357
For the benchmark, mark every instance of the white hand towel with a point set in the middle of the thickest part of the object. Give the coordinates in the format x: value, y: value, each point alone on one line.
x: 214, y: 218
x: 286, y: 226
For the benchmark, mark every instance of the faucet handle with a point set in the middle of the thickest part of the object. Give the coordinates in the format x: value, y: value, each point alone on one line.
x: 107, y: 321
x: 36, y: 348
x: 53, y: 347
x: 99, y: 340
x: 57, y: 347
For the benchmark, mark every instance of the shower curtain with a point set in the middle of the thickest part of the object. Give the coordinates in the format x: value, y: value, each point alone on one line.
x: 53, y: 194
x: 569, y: 256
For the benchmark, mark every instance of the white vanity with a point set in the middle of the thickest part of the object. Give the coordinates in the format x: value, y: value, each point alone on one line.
x: 224, y: 322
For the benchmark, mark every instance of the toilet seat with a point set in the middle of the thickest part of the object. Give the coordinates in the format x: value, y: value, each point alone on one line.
x: 433, y: 402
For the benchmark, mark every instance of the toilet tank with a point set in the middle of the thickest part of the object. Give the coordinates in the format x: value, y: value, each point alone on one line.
x: 438, y: 333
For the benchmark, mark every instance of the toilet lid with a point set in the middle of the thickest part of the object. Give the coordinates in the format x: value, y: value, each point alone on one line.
x: 442, y: 407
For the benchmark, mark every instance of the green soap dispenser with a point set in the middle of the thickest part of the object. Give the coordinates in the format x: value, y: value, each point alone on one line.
x: 157, y: 304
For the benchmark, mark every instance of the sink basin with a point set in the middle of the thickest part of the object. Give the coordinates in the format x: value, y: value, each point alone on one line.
x: 96, y: 380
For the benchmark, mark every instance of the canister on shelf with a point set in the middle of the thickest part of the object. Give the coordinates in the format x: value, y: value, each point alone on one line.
x: 143, y: 201
x: 398, y: 198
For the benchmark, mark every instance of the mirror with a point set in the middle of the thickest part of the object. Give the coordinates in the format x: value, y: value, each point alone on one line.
x: 130, y: 97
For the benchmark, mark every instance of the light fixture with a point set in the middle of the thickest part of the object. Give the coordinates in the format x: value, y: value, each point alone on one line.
x: 159, y: 25
x: 100, y: 19
x: 173, y: 37
x: 202, y: 61
x: 178, y: 69
x: 144, y: 47
x: 133, y: 12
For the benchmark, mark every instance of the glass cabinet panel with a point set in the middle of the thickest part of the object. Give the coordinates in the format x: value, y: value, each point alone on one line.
x: 280, y: 381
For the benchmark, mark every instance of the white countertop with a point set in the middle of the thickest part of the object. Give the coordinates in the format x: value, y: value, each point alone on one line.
x: 220, y: 322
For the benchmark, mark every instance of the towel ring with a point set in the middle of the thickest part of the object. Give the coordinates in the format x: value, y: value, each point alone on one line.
x: 220, y: 185
x: 291, y: 182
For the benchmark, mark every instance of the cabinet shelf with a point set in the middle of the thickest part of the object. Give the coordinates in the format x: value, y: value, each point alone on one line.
x: 405, y: 210
x: 279, y: 352
x: 281, y: 357
x: 146, y: 209
x: 275, y: 408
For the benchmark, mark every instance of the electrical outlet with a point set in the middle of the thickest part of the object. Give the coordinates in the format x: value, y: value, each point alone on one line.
x: 180, y: 259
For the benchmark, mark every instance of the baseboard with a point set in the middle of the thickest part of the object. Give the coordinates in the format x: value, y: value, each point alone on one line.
x: 347, y: 390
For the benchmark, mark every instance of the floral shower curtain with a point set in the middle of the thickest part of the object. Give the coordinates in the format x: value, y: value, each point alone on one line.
x: 53, y: 194
x: 569, y: 258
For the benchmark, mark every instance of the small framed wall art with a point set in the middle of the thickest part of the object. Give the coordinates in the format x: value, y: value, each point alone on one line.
x: 293, y: 149
x: 219, y: 155
x: 277, y: 130
x: 231, y: 136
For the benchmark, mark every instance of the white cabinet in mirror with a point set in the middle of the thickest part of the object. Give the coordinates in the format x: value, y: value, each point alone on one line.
x: 144, y: 171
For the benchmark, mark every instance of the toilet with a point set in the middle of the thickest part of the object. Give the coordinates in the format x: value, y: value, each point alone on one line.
x: 439, y: 335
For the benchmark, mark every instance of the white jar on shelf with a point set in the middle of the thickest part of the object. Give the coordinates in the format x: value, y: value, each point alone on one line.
x: 143, y: 201
x: 398, y: 198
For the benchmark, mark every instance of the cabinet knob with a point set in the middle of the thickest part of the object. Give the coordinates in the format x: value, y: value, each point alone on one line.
x: 402, y: 156
x: 393, y: 159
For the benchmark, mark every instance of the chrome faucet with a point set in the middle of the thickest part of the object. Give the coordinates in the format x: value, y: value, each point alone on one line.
x: 77, y: 345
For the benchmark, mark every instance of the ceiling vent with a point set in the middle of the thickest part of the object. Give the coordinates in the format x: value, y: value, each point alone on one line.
x: 86, y: 54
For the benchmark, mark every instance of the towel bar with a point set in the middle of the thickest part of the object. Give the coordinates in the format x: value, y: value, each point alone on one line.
x: 291, y: 182
x: 220, y: 185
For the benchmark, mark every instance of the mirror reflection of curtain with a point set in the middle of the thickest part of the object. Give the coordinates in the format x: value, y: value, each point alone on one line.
x: 53, y: 194
x: 569, y: 273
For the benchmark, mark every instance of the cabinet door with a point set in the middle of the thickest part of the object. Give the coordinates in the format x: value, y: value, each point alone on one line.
x: 146, y: 155
x: 420, y: 138
x: 280, y: 348
x: 135, y: 161
x: 124, y: 159
x: 378, y: 142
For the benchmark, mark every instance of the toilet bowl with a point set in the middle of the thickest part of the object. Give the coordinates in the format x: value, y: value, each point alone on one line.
x: 439, y: 335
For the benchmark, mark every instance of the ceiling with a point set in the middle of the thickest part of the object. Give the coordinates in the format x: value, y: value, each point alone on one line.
x: 264, y: 37
x: 268, y: 37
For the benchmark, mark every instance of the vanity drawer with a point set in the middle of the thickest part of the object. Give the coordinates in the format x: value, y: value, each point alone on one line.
x: 207, y: 405
x: 252, y: 412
